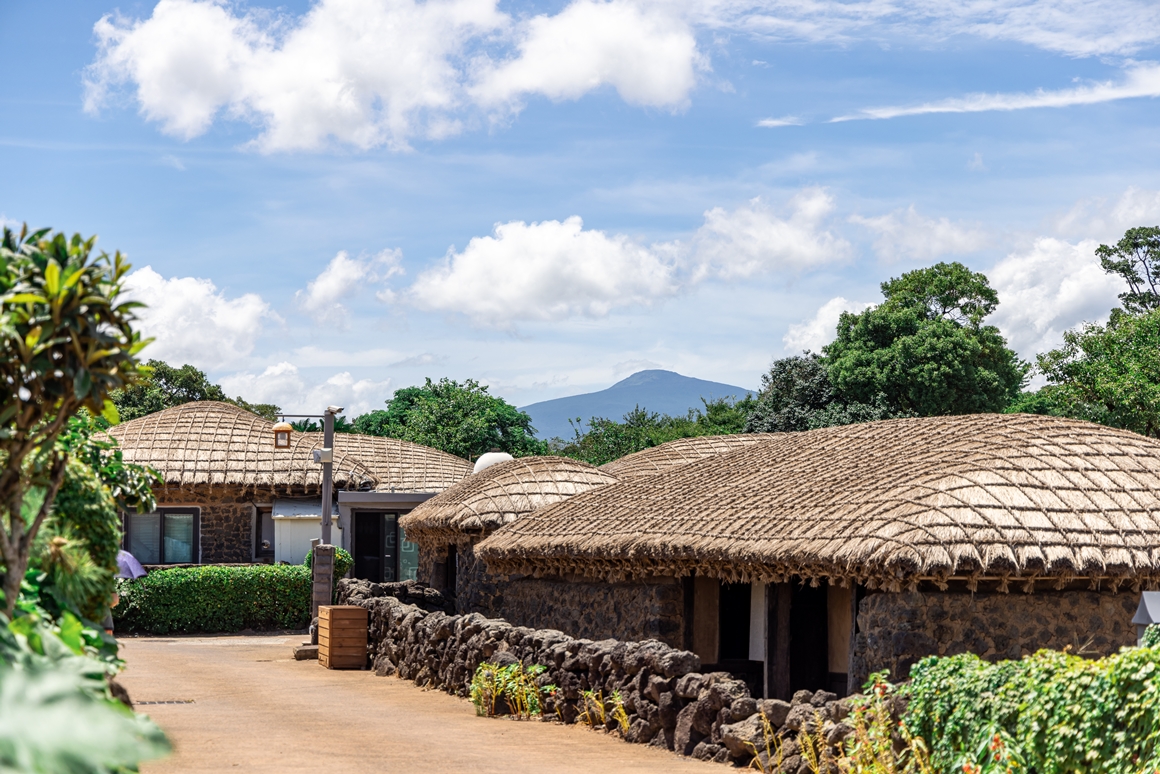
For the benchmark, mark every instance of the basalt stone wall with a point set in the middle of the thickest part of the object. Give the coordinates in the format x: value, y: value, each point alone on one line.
x: 895, y: 630
x: 227, y: 515
x: 641, y: 610
x: 623, y: 611
x: 669, y: 703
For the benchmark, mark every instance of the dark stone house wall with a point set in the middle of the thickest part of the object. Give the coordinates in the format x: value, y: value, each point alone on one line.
x: 896, y: 630
x: 227, y: 513
x: 642, y: 610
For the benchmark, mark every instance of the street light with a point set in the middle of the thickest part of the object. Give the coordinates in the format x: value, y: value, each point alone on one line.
x: 323, y: 456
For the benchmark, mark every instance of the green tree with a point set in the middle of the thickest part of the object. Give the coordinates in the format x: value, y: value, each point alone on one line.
x: 924, y: 350
x: 460, y: 419
x: 1136, y: 258
x: 1108, y: 373
x: 605, y: 440
x: 67, y: 343
x: 166, y: 386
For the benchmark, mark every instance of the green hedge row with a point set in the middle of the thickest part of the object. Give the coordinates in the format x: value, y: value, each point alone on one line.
x: 1050, y: 713
x: 215, y: 599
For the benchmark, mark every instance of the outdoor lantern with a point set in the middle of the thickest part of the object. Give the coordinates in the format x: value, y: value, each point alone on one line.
x: 282, y: 435
x: 1147, y: 613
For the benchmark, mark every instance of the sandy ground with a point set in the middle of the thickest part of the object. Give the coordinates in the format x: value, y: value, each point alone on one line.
x: 255, y: 709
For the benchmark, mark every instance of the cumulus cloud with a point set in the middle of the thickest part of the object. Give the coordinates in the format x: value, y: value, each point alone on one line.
x: 1051, y: 287
x: 342, y: 279
x: 1141, y: 79
x: 755, y: 238
x: 367, y: 73
x: 1107, y: 219
x: 906, y: 234
x: 283, y: 384
x: 822, y: 328
x: 193, y: 322
x: 558, y: 269
x: 650, y: 58
x: 544, y: 271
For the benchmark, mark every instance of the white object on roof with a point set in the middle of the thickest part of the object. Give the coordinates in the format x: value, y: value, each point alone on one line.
x: 485, y: 461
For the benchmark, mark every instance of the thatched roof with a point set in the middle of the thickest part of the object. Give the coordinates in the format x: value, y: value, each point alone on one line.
x: 218, y: 443
x: 682, y: 451
x: 998, y: 497
x: 500, y: 494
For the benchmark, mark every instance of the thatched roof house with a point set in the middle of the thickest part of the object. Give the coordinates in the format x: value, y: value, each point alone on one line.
x: 228, y: 495
x: 448, y: 526
x: 682, y: 451
x: 986, y: 503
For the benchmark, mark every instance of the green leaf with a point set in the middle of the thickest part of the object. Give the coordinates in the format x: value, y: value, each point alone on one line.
x: 110, y: 414
x: 25, y: 298
x: 52, y: 279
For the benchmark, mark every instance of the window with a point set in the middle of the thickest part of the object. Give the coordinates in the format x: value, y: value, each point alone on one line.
x: 166, y: 536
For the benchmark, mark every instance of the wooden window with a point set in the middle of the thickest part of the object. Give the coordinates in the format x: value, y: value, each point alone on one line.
x: 165, y: 536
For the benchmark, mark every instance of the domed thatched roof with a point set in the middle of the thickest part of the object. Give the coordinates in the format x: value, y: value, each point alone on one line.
x: 218, y: 443
x: 499, y: 495
x: 682, y: 451
x: 987, y: 496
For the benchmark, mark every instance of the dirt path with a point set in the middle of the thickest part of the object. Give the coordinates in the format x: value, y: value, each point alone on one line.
x: 256, y: 709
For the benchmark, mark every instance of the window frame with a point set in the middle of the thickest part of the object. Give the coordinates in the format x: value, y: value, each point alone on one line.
x: 127, y: 529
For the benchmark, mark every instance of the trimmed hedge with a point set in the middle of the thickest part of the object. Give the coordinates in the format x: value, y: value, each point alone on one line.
x: 1051, y: 712
x: 215, y: 599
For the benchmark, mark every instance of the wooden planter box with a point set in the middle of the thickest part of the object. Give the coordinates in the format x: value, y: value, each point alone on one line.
x: 342, y: 636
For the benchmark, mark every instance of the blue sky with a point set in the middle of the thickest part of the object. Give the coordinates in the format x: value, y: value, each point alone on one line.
x: 327, y: 201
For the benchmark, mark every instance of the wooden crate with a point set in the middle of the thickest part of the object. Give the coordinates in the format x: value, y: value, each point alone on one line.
x: 342, y: 636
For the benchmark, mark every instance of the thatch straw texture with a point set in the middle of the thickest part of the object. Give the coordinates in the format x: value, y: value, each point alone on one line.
x: 499, y: 495
x: 884, y: 503
x: 218, y: 443
x: 649, y: 462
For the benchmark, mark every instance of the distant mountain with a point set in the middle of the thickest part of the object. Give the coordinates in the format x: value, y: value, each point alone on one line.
x: 664, y: 392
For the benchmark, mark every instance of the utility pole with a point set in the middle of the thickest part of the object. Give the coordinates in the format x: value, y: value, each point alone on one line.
x: 327, y: 469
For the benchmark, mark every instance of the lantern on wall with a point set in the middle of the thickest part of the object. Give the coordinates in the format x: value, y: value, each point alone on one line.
x: 282, y: 432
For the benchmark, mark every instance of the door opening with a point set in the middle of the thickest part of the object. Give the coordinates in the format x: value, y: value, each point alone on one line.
x: 375, y: 546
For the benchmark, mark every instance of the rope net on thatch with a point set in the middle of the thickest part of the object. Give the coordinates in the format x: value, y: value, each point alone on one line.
x: 1009, y: 498
x: 499, y: 495
x: 649, y: 462
x: 218, y: 443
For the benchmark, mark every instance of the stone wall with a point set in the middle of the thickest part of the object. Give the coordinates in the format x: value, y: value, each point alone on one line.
x: 669, y: 703
x: 623, y: 611
x: 226, y: 518
x: 895, y: 630
x: 582, y: 608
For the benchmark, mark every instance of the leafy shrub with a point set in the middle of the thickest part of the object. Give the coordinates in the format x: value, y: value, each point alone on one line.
x: 56, y: 710
x: 216, y: 599
x: 514, y: 684
x: 1151, y: 636
x: 343, y: 561
x: 1052, y: 712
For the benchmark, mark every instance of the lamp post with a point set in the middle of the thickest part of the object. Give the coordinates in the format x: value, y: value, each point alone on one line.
x: 323, y: 456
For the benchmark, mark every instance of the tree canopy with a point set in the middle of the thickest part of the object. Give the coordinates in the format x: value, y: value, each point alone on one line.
x: 605, y: 439
x: 1136, y: 258
x: 165, y: 386
x: 925, y: 350
x: 460, y: 419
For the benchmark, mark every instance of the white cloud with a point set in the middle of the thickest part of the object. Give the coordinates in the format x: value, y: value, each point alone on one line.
x: 1141, y: 79
x: 773, y: 123
x: 649, y: 57
x: 906, y: 234
x: 368, y: 73
x: 193, y: 322
x: 283, y: 385
x: 822, y: 328
x: 1105, y: 220
x: 342, y: 279
x: 753, y: 239
x: 544, y: 271
x: 1051, y: 287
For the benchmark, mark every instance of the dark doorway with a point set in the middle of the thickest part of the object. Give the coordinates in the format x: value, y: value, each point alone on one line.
x: 733, y: 617
x: 809, y: 639
x: 375, y: 546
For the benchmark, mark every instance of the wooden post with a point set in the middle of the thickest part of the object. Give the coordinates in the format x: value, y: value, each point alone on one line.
x: 323, y: 588
x: 778, y: 599
x: 852, y: 686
